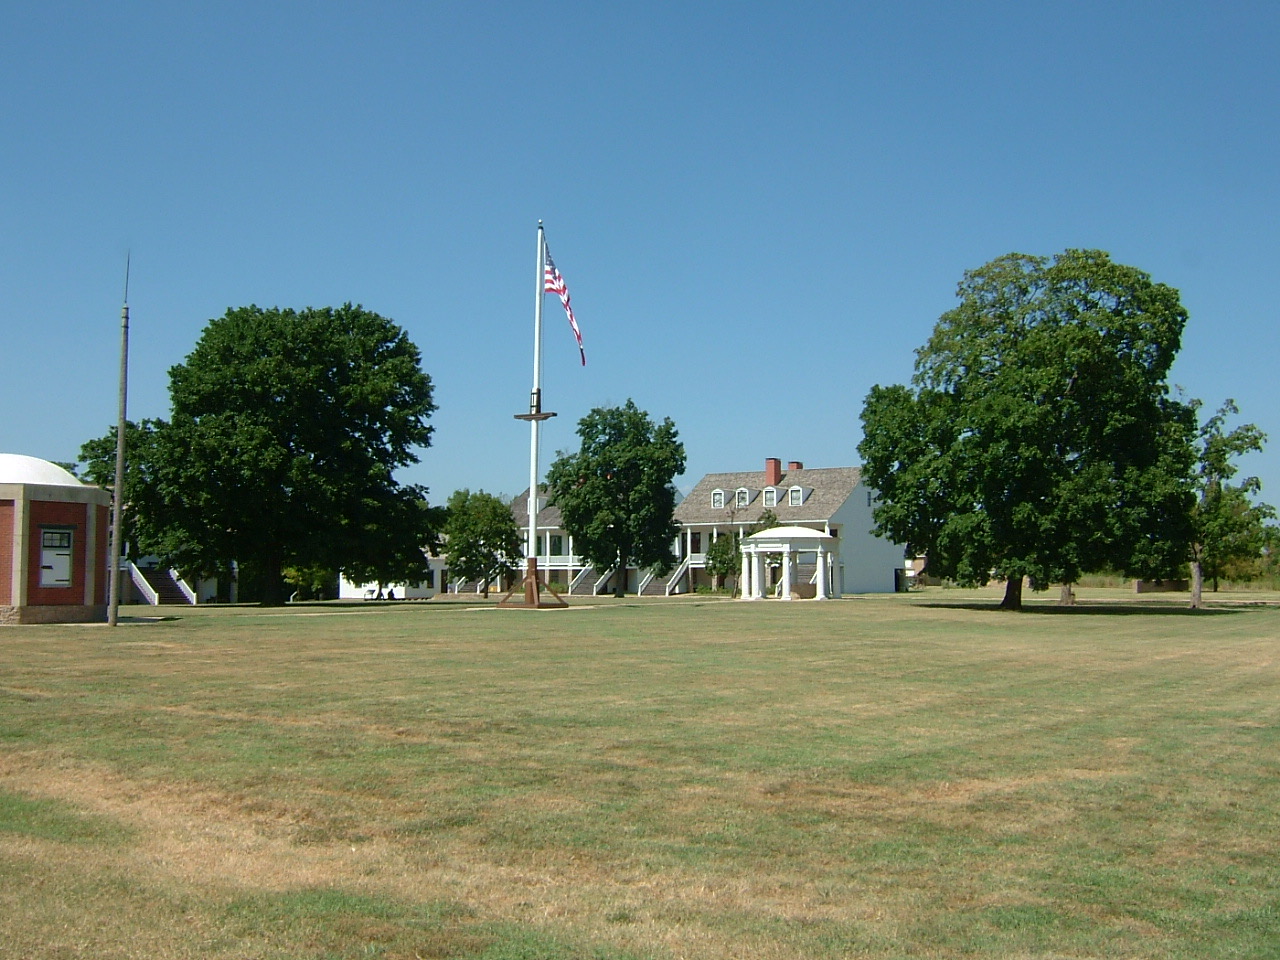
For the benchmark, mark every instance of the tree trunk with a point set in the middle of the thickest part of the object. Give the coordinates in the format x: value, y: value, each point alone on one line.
x: 226, y: 577
x: 1012, y: 594
x: 1067, y: 596
x: 273, y: 582
x: 620, y: 584
x: 1197, y: 585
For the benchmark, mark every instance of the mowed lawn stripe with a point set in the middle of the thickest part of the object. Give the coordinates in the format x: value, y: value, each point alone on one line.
x: 883, y: 778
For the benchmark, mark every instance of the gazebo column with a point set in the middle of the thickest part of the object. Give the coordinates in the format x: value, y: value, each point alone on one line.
x: 786, y: 572
x: 822, y: 574
x: 757, y: 575
x: 744, y: 582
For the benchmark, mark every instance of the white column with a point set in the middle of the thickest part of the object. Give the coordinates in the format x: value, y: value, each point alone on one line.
x: 744, y: 582
x: 92, y: 565
x: 757, y: 575
x: 786, y: 572
x: 822, y: 573
x: 21, y: 549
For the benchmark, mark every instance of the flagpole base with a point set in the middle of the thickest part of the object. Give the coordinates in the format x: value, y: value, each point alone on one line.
x: 533, y: 586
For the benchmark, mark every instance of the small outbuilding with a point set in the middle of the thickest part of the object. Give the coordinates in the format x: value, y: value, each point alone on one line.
x: 791, y: 544
x: 53, y: 544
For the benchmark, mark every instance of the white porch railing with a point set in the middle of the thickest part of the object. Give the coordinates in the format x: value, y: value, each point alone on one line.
x: 604, y: 578
x: 577, y: 580
x: 185, y: 587
x: 148, y: 592
x: 674, y: 580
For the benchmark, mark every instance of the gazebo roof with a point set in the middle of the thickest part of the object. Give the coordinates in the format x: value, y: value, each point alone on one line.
x: 16, y: 468
x: 789, y: 534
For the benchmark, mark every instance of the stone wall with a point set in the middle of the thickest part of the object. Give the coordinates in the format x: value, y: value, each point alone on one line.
x: 63, y: 613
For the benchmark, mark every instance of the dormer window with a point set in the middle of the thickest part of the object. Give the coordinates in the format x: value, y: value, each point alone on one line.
x: 795, y: 496
x: 717, y: 499
x: 742, y: 497
x: 770, y: 496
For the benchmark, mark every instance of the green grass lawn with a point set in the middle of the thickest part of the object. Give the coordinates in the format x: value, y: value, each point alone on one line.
x: 911, y: 776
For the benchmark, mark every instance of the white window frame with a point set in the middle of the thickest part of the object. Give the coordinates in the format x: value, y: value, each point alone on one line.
x: 57, y: 556
x: 742, y: 497
x: 795, y: 496
x: 717, y: 499
x: 770, y: 496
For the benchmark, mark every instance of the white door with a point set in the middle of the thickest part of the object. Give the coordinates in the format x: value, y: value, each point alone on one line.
x: 55, y: 558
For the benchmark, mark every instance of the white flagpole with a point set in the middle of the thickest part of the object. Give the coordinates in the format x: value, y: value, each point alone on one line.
x: 535, y: 416
x: 535, y: 399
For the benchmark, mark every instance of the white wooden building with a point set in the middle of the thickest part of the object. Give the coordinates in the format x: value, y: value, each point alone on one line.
x: 830, y: 500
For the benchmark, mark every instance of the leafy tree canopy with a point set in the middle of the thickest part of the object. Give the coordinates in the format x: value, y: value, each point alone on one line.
x: 140, y: 496
x: 1230, y: 528
x: 481, y: 537
x: 724, y: 557
x: 1037, y: 438
x: 616, y: 494
x: 285, y: 430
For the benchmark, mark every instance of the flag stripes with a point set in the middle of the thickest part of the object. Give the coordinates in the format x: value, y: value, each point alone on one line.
x: 553, y: 282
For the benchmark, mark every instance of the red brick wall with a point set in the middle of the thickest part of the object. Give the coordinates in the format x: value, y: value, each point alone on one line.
x: 49, y: 513
x: 6, y: 551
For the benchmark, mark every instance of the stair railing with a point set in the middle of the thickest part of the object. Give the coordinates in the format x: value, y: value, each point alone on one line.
x: 185, y: 587
x: 674, y: 580
x: 148, y: 592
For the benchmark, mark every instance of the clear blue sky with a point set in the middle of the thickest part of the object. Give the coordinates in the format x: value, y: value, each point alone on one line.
x: 760, y: 209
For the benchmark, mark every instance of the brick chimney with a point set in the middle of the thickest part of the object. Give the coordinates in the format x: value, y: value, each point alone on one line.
x: 772, y: 472
x: 795, y: 465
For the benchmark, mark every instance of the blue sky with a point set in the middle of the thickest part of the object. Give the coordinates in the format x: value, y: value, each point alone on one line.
x: 760, y: 210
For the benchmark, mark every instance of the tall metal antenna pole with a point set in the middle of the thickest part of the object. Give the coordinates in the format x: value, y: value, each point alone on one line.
x: 117, y: 493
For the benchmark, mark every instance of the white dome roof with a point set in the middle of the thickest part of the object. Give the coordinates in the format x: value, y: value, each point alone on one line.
x: 15, y: 468
x: 790, y: 533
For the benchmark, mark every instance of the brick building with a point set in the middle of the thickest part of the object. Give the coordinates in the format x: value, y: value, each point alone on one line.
x: 53, y: 544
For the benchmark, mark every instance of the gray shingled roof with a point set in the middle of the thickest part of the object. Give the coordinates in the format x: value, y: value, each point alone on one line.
x: 830, y: 486
x: 548, y: 516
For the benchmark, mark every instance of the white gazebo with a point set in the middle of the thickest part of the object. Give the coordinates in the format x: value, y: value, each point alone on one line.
x: 790, y: 542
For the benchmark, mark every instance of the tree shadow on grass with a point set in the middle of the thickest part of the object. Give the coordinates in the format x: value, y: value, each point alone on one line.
x: 1087, y: 609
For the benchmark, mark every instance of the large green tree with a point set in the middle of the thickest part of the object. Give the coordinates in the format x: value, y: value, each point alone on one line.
x: 481, y: 537
x: 724, y: 555
x: 139, y: 499
x: 1230, y: 527
x: 616, y: 494
x: 286, y: 428
x: 1038, y: 438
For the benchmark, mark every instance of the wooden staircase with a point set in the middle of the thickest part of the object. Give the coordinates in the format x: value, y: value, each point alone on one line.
x: 165, y: 586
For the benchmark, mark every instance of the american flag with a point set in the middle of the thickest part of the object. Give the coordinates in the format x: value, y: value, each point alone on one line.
x: 553, y: 282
